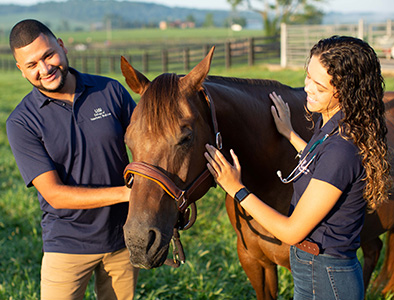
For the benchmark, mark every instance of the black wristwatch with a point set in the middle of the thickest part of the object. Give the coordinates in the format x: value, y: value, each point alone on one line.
x: 241, y: 194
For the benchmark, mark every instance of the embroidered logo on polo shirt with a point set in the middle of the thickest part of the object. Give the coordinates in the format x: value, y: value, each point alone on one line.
x: 99, y: 113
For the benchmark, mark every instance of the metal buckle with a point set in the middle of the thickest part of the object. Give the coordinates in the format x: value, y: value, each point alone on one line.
x: 182, y: 195
x: 219, y: 141
x: 129, y: 178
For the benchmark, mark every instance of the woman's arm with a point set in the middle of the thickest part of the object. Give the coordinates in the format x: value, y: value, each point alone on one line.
x: 316, y: 202
x: 61, y: 196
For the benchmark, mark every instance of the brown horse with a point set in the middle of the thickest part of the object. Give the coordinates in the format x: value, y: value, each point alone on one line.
x: 175, y: 118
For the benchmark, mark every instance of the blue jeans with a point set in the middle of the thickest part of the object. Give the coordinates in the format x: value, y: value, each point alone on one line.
x: 325, y: 277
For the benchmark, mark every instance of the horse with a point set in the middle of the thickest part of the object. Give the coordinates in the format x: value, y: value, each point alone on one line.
x: 174, y: 119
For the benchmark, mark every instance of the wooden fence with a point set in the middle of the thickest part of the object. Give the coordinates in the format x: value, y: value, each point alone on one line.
x: 297, y: 40
x: 155, y: 58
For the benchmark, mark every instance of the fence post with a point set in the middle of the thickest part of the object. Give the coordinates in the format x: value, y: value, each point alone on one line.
x: 204, y: 50
x: 186, y: 59
x: 112, y: 64
x: 164, y: 60
x: 283, y: 45
x: 360, y: 29
x: 98, y: 64
x: 227, y: 54
x: 7, y: 65
x: 84, y: 64
x: 251, y: 52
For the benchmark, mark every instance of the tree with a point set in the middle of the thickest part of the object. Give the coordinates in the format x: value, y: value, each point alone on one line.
x: 275, y: 12
x: 191, y: 18
x: 209, y: 20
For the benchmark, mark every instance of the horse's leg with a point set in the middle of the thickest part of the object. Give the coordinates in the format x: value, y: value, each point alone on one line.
x: 371, y: 251
x: 385, y: 276
x: 264, y: 279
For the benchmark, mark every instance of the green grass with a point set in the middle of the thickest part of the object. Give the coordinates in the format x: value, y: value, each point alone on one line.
x: 212, y: 269
x: 150, y: 35
x: 155, y: 35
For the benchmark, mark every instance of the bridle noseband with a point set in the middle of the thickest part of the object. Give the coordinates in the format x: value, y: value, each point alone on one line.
x: 182, y: 197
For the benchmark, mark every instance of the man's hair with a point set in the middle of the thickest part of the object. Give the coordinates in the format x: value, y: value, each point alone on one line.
x: 26, y: 31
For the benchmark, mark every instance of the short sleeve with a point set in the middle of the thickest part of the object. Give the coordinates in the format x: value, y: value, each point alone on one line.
x: 339, y: 164
x: 29, y: 152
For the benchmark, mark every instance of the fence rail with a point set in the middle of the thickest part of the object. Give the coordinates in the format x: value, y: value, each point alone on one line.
x: 291, y: 48
x: 173, y: 59
x: 297, y: 40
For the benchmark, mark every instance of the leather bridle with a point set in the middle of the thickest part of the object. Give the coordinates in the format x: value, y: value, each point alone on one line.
x: 182, y: 197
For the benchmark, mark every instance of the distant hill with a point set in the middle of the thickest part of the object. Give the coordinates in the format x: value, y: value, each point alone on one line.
x: 333, y: 17
x: 82, y: 15
x: 85, y: 14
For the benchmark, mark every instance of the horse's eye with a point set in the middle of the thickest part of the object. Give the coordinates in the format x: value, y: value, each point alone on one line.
x: 186, y: 136
x: 186, y: 139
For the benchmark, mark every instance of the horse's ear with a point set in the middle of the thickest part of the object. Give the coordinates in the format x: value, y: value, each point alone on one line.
x: 194, y: 80
x: 135, y: 80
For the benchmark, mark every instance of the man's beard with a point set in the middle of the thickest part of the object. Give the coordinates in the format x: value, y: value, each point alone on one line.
x: 63, y: 78
x: 64, y: 73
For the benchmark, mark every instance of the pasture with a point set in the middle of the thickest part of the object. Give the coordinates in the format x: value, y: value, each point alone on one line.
x: 149, y: 36
x: 212, y: 269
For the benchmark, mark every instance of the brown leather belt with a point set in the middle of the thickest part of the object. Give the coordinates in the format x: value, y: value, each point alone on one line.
x: 309, y: 247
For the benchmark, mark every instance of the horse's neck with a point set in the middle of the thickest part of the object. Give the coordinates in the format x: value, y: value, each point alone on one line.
x: 247, y: 126
x: 242, y: 107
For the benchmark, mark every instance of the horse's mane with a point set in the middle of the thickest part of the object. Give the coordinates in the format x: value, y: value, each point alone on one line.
x: 160, y: 106
x: 247, y: 81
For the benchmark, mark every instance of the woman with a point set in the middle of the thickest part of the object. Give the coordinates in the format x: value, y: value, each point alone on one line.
x: 342, y: 170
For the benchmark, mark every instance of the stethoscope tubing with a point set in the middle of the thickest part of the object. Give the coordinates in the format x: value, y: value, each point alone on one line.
x: 300, y: 166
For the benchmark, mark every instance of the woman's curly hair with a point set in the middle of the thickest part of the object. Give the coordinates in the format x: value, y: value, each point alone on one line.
x: 359, y: 86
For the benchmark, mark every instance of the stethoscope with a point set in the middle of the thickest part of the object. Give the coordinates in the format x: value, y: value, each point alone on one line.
x: 301, y: 167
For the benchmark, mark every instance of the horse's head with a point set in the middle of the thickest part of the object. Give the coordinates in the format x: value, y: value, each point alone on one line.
x: 166, y: 136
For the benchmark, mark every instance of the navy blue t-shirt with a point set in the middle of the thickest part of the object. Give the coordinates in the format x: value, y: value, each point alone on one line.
x: 338, y: 163
x: 84, y: 143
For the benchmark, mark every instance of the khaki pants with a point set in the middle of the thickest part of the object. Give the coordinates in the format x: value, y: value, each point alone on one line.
x: 66, y: 276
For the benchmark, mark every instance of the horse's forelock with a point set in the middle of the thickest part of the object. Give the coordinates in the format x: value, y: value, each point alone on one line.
x: 161, y: 104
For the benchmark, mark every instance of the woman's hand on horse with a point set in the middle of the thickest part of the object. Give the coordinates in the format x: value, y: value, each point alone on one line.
x: 226, y: 175
x: 281, y: 113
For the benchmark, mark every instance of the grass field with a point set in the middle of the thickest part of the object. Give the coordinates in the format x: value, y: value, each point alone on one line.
x: 150, y: 35
x: 212, y: 269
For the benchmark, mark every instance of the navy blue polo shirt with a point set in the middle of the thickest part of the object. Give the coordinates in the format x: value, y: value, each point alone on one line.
x: 84, y: 143
x: 337, y: 162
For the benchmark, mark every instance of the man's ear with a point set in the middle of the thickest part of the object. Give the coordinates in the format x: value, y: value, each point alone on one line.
x: 20, y: 69
x: 61, y: 44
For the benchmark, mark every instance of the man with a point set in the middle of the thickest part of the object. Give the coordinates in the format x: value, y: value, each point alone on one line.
x: 67, y: 139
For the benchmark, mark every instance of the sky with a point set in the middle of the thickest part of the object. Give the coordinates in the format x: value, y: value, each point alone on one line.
x: 345, y: 6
